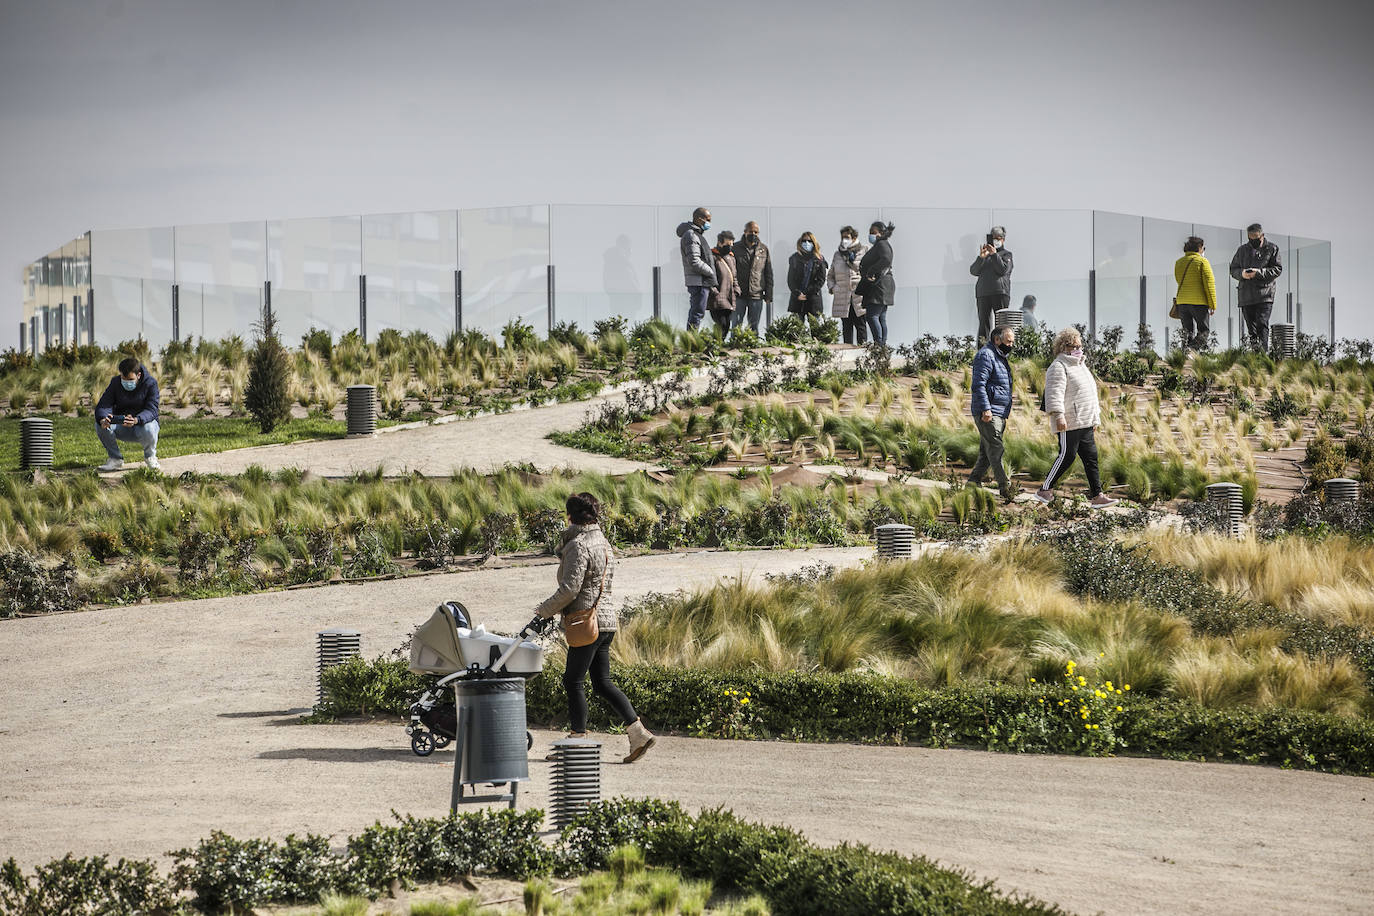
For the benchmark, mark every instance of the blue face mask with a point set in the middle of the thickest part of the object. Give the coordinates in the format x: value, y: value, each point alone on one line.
x: 129, y: 384
x: 706, y: 225
x: 872, y: 238
x: 807, y: 246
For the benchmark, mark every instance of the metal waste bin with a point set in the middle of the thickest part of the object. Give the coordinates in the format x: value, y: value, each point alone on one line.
x: 489, y: 746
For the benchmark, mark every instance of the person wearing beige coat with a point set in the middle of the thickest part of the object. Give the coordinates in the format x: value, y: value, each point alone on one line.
x: 845, y: 303
x: 1074, y: 412
x: 585, y: 573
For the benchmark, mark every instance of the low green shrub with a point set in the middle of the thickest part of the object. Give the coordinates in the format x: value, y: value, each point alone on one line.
x: 30, y: 586
x: 870, y: 708
x: 86, y: 885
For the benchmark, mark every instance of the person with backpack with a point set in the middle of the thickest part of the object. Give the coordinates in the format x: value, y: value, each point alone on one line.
x: 1074, y: 412
x: 583, y: 599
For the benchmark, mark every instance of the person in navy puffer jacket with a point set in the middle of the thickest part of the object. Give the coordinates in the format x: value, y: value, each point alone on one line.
x: 128, y: 410
x: 992, y: 383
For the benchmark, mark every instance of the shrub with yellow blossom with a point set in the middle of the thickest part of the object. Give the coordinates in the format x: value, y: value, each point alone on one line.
x: 732, y: 714
x: 1092, y: 710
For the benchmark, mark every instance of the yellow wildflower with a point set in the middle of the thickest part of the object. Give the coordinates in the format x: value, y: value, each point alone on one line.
x: 1118, y: 709
x: 1087, y: 726
x: 1108, y: 685
x: 1128, y: 686
x: 1094, y: 726
x: 1082, y: 681
x: 744, y: 701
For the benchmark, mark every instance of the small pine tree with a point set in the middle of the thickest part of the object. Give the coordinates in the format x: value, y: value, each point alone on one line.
x: 269, y: 370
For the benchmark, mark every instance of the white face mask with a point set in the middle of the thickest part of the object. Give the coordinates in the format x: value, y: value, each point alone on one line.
x: 846, y: 243
x: 996, y: 243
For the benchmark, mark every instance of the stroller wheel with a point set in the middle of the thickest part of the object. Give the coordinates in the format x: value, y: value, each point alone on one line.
x: 422, y: 743
x: 529, y: 740
x: 442, y: 741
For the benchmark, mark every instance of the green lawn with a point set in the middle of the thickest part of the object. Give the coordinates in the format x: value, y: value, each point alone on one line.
x: 75, y: 445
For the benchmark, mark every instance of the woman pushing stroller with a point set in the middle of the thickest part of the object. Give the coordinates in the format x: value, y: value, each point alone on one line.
x: 585, y: 571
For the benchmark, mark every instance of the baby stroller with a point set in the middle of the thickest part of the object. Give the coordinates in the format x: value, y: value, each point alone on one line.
x: 449, y: 646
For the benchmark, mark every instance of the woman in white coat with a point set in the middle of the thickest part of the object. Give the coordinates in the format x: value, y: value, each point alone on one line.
x: 845, y: 304
x: 1071, y: 403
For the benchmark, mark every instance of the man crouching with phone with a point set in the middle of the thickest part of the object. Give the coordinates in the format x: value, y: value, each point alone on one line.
x: 128, y: 410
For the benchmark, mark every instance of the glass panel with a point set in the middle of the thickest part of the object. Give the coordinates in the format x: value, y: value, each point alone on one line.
x: 785, y: 227
x: 118, y: 303
x: 1118, y: 258
x: 157, y: 313
x: 931, y: 253
x: 732, y: 218
x: 1312, y: 279
x: 1052, y: 251
x: 409, y: 260
x: 604, y: 257
x: 214, y: 311
x: 504, y: 255
x: 298, y: 311
x: 133, y: 253
x: 1283, y: 285
x: 1164, y: 241
x: 222, y: 254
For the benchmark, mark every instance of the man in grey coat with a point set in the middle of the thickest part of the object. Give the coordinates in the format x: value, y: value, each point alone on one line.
x: 1256, y: 267
x: 992, y: 267
x: 698, y: 264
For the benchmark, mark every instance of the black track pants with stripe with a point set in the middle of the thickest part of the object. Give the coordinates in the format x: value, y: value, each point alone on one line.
x: 1076, y: 443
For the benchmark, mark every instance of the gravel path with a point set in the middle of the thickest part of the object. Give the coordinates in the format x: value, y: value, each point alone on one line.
x: 134, y: 731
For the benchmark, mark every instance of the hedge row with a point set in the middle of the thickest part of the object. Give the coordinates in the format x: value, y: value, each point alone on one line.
x: 822, y: 707
x: 226, y: 874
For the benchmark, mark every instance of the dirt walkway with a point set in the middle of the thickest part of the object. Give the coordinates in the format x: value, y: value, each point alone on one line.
x: 138, y: 730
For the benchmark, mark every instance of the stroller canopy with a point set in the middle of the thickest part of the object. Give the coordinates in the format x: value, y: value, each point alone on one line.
x: 434, y: 649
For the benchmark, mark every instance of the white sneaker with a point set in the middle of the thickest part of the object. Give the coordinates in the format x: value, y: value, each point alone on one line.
x: 113, y: 464
x: 151, y: 463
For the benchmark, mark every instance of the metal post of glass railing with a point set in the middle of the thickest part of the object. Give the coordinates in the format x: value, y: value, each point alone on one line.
x: 458, y: 301
x: 550, y: 299
x: 658, y: 293
x: 362, y: 307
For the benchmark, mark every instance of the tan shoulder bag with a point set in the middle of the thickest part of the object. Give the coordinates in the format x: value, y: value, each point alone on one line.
x: 580, y: 627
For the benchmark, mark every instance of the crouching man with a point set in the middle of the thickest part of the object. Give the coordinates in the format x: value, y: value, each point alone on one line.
x: 128, y: 410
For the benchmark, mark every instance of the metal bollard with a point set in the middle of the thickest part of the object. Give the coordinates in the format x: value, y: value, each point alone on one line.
x: 895, y: 542
x: 1342, y: 489
x: 35, y: 442
x: 576, y: 781
x: 1229, y: 495
x: 362, y: 410
x: 335, y: 646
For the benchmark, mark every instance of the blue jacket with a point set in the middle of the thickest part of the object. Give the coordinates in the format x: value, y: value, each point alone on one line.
x: 142, y: 402
x: 991, y: 382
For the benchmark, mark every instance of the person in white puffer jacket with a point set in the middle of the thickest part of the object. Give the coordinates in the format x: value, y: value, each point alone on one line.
x: 1071, y: 403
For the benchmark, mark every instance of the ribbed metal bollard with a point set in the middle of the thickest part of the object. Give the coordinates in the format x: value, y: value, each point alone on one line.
x: 1229, y: 495
x: 1284, y: 339
x: 895, y: 542
x: 35, y: 442
x: 576, y: 779
x: 335, y: 646
x: 1342, y: 489
x: 1009, y: 318
x: 362, y: 410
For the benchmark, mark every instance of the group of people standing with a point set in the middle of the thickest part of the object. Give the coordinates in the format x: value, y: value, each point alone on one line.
x: 1255, y: 266
x: 733, y: 280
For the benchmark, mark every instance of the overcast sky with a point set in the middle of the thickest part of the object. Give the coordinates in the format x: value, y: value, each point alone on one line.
x: 117, y: 113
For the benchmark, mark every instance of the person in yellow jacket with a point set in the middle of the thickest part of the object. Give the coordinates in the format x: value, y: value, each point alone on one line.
x: 1197, y: 294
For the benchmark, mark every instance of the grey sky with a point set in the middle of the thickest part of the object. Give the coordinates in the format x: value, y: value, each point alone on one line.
x: 127, y: 113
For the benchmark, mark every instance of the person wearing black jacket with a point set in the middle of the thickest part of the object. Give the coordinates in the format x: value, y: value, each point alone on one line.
x: 877, y: 287
x: 806, y: 270
x: 128, y: 410
x: 992, y: 267
x: 1256, y: 267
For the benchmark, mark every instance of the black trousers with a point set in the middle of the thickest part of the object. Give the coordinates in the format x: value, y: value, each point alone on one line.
x: 987, y: 308
x: 596, y: 658
x: 1257, y: 324
x: 1196, y: 325
x: 1076, y: 443
x: 855, y: 328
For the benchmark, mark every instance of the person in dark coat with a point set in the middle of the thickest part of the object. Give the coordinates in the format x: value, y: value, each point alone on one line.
x: 992, y: 267
x: 128, y: 410
x: 1256, y: 267
x: 698, y: 268
x: 806, y: 270
x: 754, y: 270
x: 877, y: 287
x: 726, y: 295
x: 991, y: 406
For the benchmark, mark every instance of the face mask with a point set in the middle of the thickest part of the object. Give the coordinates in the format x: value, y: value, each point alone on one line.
x: 872, y: 238
x: 807, y: 246
x: 1078, y: 352
x: 846, y: 243
x: 129, y: 384
x: 706, y: 225
x: 750, y: 238
x: 1255, y: 243
x: 1004, y: 349
x: 726, y: 248
x: 996, y: 243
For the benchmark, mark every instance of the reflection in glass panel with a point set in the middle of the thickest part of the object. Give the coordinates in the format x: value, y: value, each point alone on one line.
x: 315, y: 254
x: 604, y: 258
x: 222, y: 254
x: 504, y: 255
x: 1052, y: 250
x: 1312, y: 280
x: 931, y: 253
x: 223, y: 310
x: 133, y: 253
x: 409, y: 260
x: 157, y: 313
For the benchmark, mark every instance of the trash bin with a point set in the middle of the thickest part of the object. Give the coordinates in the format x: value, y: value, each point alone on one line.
x: 490, y: 745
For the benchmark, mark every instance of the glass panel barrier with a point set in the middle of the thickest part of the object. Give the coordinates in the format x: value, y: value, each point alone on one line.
x: 133, y: 253
x: 931, y: 253
x: 1312, y: 281
x: 222, y: 254
x: 300, y: 311
x: 504, y: 255
x: 1221, y: 243
x: 409, y: 260
x: 604, y: 258
x: 1052, y: 257
x: 118, y: 308
x: 1118, y: 258
x: 224, y: 311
